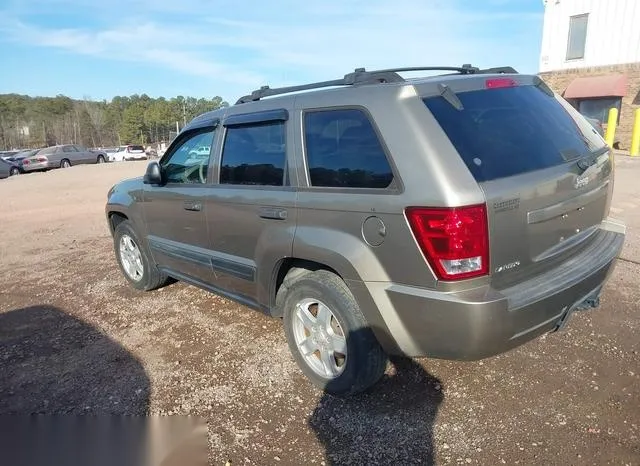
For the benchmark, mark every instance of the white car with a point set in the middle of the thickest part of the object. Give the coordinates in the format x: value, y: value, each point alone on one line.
x: 128, y: 152
x: 201, y: 151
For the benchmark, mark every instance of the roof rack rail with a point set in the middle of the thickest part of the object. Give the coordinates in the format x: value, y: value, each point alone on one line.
x: 362, y: 76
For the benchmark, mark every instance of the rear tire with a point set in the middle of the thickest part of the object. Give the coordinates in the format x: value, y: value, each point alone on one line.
x: 150, y: 278
x: 364, y: 362
x: 64, y: 163
x: 100, y: 159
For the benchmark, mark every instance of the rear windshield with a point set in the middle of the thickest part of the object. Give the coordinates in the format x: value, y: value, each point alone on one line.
x: 510, y: 131
x: 136, y: 148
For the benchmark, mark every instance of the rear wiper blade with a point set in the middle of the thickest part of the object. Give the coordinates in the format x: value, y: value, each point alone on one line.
x: 590, y: 162
x: 450, y: 96
x: 585, y: 163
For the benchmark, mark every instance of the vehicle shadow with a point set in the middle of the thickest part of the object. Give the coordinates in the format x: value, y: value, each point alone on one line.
x: 53, y: 363
x: 91, y: 394
x: 391, y: 423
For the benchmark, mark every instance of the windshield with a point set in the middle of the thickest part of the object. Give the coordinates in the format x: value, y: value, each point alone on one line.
x: 510, y: 131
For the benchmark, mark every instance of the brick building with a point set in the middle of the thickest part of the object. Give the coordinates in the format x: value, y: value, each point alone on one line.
x: 590, y: 54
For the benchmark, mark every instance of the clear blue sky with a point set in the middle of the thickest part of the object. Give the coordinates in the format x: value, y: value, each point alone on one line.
x: 203, y: 48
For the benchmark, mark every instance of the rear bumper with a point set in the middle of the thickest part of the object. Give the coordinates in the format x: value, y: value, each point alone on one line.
x: 483, y: 322
x: 36, y: 166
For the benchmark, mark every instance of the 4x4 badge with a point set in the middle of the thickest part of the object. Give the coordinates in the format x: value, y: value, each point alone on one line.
x: 509, y: 266
x: 581, y: 181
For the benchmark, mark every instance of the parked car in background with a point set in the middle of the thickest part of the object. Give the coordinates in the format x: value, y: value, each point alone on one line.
x: 6, y: 154
x: 115, y: 155
x: 130, y: 152
x: 201, y: 151
x: 62, y: 156
x: 21, y: 155
x: 35, y: 162
x: 8, y: 168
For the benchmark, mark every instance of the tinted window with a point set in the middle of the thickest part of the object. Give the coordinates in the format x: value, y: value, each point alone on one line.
x: 343, y: 150
x: 69, y: 149
x: 510, y: 131
x: 254, y: 155
x: 136, y: 148
x: 577, y: 37
x: 186, y: 164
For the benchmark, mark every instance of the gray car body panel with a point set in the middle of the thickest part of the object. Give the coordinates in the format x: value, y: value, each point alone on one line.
x: 236, y: 245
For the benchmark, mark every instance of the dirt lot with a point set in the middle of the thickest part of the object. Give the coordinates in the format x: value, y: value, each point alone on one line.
x: 75, y: 338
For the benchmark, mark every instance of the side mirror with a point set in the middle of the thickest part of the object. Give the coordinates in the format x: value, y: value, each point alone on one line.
x: 153, y: 175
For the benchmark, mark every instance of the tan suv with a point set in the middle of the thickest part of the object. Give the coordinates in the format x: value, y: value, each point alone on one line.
x: 452, y: 216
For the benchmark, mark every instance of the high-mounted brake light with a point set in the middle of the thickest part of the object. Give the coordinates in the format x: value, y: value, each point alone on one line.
x: 455, y: 241
x: 497, y: 83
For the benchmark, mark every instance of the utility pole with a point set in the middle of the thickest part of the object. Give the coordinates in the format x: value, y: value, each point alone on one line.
x: 184, y: 113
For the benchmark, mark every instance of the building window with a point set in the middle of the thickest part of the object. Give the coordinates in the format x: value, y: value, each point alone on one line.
x: 599, y: 108
x: 577, y: 37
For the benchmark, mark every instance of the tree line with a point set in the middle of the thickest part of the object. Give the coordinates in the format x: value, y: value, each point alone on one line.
x: 33, y: 122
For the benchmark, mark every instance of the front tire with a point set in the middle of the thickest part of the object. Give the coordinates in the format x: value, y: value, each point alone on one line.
x: 329, y: 337
x: 14, y: 171
x: 100, y: 159
x: 135, y: 261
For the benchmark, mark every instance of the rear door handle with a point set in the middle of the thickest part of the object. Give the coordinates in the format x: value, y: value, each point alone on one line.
x: 273, y: 213
x: 192, y: 205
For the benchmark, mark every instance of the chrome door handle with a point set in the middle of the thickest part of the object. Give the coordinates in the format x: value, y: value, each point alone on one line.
x: 273, y: 213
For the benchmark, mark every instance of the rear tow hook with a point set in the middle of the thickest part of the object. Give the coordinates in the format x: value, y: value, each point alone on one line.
x: 587, y: 304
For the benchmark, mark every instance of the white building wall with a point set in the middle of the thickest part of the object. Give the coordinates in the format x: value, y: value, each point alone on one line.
x: 613, y: 33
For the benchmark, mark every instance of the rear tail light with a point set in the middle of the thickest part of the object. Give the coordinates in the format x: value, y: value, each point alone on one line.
x: 42, y: 159
x: 26, y: 162
x: 497, y: 83
x: 455, y: 241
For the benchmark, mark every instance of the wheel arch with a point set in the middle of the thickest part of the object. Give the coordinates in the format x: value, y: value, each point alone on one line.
x: 115, y: 218
x: 290, y: 269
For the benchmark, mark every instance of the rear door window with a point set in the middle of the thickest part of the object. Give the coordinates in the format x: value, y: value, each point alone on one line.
x: 343, y: 150
x: 254, y: 154
x: 511, y: 131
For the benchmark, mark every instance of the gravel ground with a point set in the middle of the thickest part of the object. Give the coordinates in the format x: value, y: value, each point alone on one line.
x: 75, y: 338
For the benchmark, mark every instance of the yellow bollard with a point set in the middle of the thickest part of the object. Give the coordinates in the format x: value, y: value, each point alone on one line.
x: 611, y: 126
x: 635, y: 134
